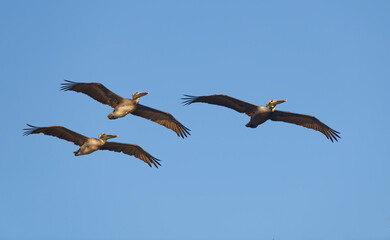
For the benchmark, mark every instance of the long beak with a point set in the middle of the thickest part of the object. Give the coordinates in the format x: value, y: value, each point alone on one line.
x: 108, y: 136
x: 278, y: 102
x: 141, y: 94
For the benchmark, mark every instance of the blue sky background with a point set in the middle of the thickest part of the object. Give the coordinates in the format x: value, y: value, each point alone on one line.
x: 327, y: 58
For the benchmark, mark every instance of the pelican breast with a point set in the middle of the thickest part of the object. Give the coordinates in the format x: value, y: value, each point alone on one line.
x: 90, y: 146
x: 124, y: 108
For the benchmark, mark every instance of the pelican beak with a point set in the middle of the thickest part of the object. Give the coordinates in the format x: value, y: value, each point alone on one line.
x: 273, y: 104
x: 108, y: 136
x: 141, y: 94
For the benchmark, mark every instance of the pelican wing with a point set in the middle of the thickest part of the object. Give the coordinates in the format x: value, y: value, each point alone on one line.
x: 222, y: 100
x: 96, y: 91
x: 163, y: 118
x: 305, y: 121
x: 132, y: 150
x: 57, y: 131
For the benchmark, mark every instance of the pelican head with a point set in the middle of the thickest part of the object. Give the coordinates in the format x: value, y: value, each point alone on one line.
x: 137, y: 95
x: 271, y: 104
x: 105, y: 136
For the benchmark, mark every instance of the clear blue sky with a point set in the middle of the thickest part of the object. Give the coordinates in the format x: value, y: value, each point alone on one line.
x: 327, y: 58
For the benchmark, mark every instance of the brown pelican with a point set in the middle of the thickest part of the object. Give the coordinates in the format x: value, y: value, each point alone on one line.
x: 260, y: 114
x: 123, y: 106
x: 90, y: 145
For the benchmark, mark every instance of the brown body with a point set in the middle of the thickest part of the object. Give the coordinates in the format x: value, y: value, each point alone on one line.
x: 125, y: 107
x: 90, y: 146
x: 258, y: 116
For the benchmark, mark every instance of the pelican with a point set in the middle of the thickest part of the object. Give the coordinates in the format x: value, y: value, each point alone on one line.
x: 90, y: 145
x: 123, y: 106
x: 260, y: 114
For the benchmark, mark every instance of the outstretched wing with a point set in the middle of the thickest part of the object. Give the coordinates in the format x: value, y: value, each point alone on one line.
x: 222, y: 100
x: 305, y: 121
x: 57, y: 131
x: 96, y: 91
x: 163, y: 118
x: 132, y: 150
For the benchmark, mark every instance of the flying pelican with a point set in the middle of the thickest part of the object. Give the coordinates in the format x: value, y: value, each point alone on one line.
x: 123, y: 106
x: 90, y: 145
x: 260, y: 114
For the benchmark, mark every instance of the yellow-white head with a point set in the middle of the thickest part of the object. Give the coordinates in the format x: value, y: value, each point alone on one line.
x: 271, y: 104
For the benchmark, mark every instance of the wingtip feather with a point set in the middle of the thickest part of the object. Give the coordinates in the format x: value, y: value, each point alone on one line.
x: 67, y: 85
x: 188, y: 99
x: 28, y: 131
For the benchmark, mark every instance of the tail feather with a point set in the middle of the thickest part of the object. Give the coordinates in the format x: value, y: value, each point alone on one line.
x: 111, y: 116
x: 249, y: 124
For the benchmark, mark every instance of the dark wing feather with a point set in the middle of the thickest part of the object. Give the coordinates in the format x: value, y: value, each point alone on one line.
x: 305, y: 121
x: 57, y: 131
x: 222, y: 100
x: 163, y: 118
x: 96, y: 91
x: 132, y: 150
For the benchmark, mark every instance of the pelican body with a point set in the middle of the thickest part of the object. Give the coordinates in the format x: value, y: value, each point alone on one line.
x: 260, y: 114
x: 123, y: 106
x: 93, y: 144
x: 90, y: 145
x: 126, y: 106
